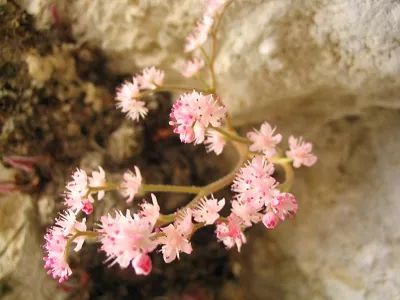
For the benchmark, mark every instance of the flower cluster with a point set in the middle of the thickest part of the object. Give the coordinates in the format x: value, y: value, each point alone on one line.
x: 130, y: 92
x: 130, y: 238
x: 191, y: 67
x: 55, y: 246
x: 77, y: 194
x: 193, y: 113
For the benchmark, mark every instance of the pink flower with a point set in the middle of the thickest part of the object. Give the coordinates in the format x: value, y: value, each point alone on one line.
x: 200, y: 34
x: 174, y: 243
x: 127, y: 95
x: 151, y: 78
x: 184, y: 223
x: 66, y: 221
x: 300, y: 152
x: 150, y: 212
x: 284, y: 205
x: 270, y: 220
x: 142, y: 264
x: 76, y: 190
x: 192, y: 67
x: 192, y: 113
x: 131, y: 184
x: 247, y: 211
x: 208, y: 210
x: 176, y: 237
x: 230, y: 233
x: 87, y: 207
x: 214, y: 142
x: 264, y: 140
x: 98, y: 179
x: 124, y: 237
x: 55, y: 260
x: 56, y: 243
x: 214, y: 7
x: 254, y: 183
x: 68, y: 225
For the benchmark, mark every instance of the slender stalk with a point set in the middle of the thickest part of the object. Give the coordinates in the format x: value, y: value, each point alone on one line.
x: 224, y: 181
x: 214, y: 40
x: 285, y: 163
x: 107, y: 187
x: 170, y: 188
x: 89, y: 234
x: 216, y: 185
x: 210, y: 63
x: 169, y: 88
x: 232, y: 136
x: 281, y: 160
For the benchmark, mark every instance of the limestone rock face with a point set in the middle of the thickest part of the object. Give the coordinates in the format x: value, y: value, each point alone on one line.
x: 22, y: 274
x: 326, y: 69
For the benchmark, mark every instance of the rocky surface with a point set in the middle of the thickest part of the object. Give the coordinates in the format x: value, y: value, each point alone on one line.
x: 22, y: 275
x: 326, y: 69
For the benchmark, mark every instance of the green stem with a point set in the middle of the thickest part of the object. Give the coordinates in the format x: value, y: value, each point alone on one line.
x: 216, y: 185
x: 210, y: 63
x: 232, y: 136
x: 169, y: 88
x: 285, y: 163
x: 224, y: 181
x: 214, y: 39
x: 89, y: 234
x: 107, y: 187
x: 170, y: 188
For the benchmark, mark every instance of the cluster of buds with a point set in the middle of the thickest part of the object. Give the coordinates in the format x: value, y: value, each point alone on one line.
x: 198, y: 117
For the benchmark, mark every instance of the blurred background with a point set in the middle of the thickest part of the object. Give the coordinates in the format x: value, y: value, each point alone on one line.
x: 325, y: 69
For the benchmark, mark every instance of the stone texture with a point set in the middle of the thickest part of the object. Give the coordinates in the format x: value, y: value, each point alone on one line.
x: 22, y: 275
x: 326, y: 69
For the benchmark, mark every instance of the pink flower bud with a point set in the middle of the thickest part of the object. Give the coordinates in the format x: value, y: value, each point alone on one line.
x: 270, y: 220
x: 87, y: 207
x: 142, y: 264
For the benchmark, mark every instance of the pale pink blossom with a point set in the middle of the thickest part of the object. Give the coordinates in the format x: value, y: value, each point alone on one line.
x: 69, y: 225
x: 127, y: 92
x: 128, y: 102
x: 66, y: 221
x: 254, y: 183
x: 247, y: 212
x: 215, y: 142
x: 230, y: 233
x: 192, y: 113
x: 255, y: 187
x: 76, y: 190
x: 131, y: 183
x: 192, y: 67
x: 56, y: 242
x: 207, y: 211
x: 213, y: 7
x: 98, y: 179
x: 174, y: 242
x: 200, y: 34
x: 150, y: 211
x: 184, y: 223
x: 264, y: 140
x: 284, y: 205
x: 270, y: 220
x: 55, y: 259
x: 300, y: 152
x: 151, y: 78
x: 124, y: 237
x: 142, y: 264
